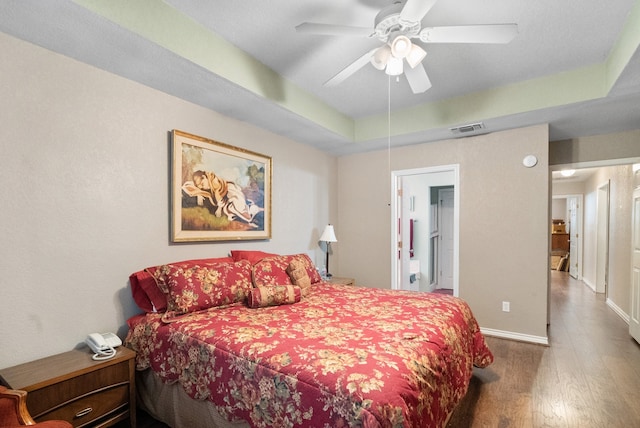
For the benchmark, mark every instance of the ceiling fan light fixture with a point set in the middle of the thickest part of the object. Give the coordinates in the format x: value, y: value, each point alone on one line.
x: 416, y: 55
x: 381, y: 57
x: 394, y: 66
x: 401, y: 46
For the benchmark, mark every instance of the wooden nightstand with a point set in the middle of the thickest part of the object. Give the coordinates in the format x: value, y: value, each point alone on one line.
x: 73, y: 387
x: 343, y: 281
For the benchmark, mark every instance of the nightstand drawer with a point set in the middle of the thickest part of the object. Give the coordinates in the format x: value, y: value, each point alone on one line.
x: 43, y: 400
x: 91, y: 407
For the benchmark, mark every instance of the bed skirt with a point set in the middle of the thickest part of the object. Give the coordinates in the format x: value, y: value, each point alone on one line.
x: 171, y: 405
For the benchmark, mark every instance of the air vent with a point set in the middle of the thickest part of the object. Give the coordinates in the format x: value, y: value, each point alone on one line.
x: 465, y: 129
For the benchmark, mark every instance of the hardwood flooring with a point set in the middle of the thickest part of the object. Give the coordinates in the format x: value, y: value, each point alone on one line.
x: 588, y: 377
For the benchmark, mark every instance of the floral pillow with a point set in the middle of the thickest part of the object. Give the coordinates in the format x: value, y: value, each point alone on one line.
x: 273, y: 270
x: 273, y: 295
x: 145, y: 287
x: 196, y: 287
x: 299, y: 276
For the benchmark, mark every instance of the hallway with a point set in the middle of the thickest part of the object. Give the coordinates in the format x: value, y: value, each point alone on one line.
x: 589, y: 376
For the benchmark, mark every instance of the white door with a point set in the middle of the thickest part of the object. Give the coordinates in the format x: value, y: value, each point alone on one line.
x: 574, y: 231
x: 634, y: 319
x: 446, y: 204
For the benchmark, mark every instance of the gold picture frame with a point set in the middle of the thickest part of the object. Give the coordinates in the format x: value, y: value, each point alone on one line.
x: 218, y: 192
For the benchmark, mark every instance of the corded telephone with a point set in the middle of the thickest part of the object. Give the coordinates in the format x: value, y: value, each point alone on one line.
x: 103, y: 344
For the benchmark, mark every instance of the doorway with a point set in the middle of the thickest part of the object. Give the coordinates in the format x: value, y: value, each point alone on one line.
x: 417, y: 250
x: 574, y: 208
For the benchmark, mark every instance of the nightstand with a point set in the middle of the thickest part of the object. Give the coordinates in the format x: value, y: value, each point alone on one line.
x: 73, y: 387
x: 343, y: 281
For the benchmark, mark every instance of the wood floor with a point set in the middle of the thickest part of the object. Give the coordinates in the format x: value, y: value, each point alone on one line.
x: 589, y: 376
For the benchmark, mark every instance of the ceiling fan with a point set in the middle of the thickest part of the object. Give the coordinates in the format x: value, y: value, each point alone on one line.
x: 395, y: 26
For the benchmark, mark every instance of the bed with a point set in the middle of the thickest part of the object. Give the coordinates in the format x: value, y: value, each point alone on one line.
x: 246, y: 342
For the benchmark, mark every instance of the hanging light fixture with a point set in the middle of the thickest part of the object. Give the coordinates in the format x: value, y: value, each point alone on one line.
x: 390, y: 55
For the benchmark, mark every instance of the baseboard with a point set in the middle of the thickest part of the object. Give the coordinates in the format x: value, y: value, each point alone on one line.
x: 540, y: 340
x: 618, y: 310
x: 588, y: 284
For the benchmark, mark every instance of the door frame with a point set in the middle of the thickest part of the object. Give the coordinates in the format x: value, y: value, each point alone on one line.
x: 397, y: 220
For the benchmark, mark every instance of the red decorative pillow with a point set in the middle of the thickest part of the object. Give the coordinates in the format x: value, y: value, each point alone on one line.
x: 144, y: 287
x: 273, y: 295
x: 193, y: 287
x: 251, y: 255
x: 273, y: 270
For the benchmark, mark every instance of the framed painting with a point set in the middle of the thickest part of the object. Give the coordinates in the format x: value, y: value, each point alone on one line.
x: 218, y: 192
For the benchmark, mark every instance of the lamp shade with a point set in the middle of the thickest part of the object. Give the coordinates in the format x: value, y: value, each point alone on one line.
x: 401, y: 46
x: 416, y: 55
x: 328, y: 235
x: 381, y: 57
x: 394, y: 66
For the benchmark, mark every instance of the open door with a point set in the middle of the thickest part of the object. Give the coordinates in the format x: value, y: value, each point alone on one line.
x: 446, y: 247
x: 634, y: 318
x: 574, y: 209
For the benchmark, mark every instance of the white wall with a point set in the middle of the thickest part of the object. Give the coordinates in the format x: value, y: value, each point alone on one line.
x: 85, y: 176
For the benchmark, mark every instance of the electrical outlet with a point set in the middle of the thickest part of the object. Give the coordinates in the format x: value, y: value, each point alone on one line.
x: 506, y: 306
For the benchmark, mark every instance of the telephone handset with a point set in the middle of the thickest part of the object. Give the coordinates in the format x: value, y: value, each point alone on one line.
x: 103, y: 344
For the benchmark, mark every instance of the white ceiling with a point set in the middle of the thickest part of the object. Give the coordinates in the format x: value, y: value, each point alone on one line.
x: 555, y: 38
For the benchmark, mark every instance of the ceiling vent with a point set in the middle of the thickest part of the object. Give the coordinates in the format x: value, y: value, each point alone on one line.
x: 465, y: 129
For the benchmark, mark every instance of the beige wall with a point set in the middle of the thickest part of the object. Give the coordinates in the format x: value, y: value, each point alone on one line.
x: 504, y: 209
x: 595, y: 150
x: 620, y: 179
x: 84, y: 172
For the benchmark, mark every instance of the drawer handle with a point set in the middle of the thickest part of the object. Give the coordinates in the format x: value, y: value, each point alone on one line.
x: 84, y: 412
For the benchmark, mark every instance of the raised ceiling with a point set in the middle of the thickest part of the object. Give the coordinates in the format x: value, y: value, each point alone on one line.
x: 575, y: 64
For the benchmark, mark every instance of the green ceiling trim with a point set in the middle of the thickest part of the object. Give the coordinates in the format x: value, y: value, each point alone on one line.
x: 627, y: 44
x: 549, y: 91
x: 167, y: 27
x: 162, y: 24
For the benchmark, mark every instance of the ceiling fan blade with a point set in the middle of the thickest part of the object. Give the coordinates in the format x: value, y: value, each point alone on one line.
x: 417, y: 78
x: 350, y: 69
x: 490, y: 33
x: 415, y: 10
x: 333, y: 30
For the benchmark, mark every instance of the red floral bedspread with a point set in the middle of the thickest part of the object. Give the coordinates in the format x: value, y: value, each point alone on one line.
x: 343, y: 356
